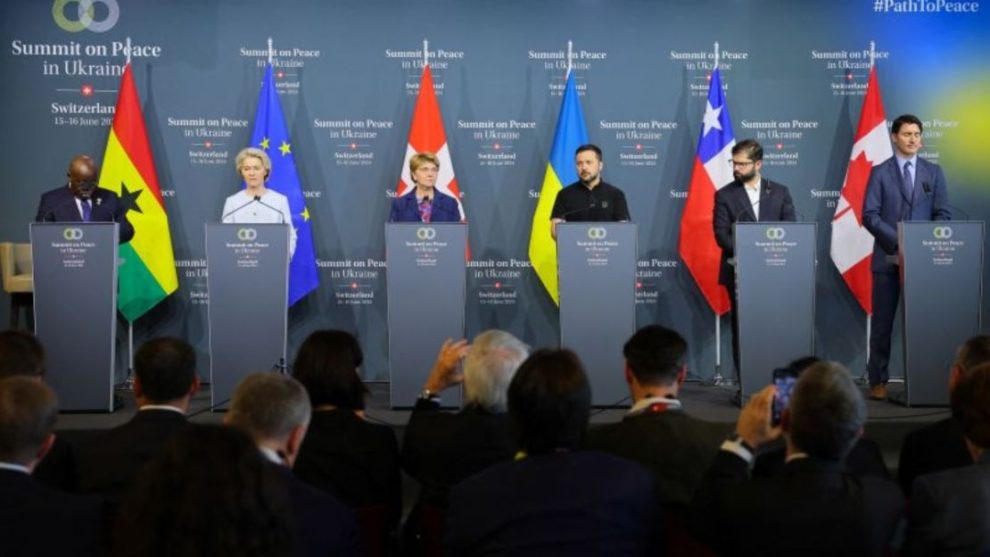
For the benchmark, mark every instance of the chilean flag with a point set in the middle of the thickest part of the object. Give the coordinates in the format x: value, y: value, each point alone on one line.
x: 852, y: 244
x: 426, y: 134
x: 712, y: 171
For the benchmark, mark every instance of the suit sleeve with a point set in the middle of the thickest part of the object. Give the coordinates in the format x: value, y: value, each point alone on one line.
x: 727, y: 470
x: 940, y: 208
x: 559, y: 207
x: 722, y: 223
x: 44, y: 210
x: 287, y: 217
x: 787, y: 213
x: 120, y: 217
x: 883, y: 232
x: 921, y: 524
x: 393, y: 215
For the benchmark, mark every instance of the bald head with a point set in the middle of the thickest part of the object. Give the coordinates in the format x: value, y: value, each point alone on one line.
x: 82, y: 175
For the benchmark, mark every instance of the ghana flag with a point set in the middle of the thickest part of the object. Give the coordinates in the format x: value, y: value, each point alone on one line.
x: 147, y: 266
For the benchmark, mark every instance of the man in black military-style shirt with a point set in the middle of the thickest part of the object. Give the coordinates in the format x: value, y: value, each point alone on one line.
x: 589, y: 199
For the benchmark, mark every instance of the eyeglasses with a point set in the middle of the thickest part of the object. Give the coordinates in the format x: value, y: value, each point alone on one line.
x: 741, y: 163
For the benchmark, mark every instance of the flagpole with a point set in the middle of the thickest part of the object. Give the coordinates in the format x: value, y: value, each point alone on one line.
x: 426, y: 53
x: 128, y: 51
x: 865, y: 378
x: 570, y: 57
x: 718, y: 378
x: 716, y: 57
x: 271, y: 52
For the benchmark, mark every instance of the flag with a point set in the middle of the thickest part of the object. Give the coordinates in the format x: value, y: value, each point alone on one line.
x: 426, y: 134
x: 712, y: 171
x: 271, y: 135
x: 852, y: 244
x: 146, y: 274
x: 570, y: 134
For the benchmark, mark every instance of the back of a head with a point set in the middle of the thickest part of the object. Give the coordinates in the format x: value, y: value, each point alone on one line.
x: 28, y: 410
x: 972, y: 353
x: 827, y: 411
x: 268, y: 406
x: 208, y: 493
x: 970, y: 403
x: 20, y: 354
x: 549, y: 401
x: 655, y: 355
x: 326, y: 365
x: 165, y: 368
x: 489, y: 367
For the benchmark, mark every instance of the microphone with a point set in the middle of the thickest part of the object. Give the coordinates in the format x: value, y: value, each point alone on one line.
x: 592, y: 205
x: 253, y: 199
x: 928, y: 191
x: 281, y: 217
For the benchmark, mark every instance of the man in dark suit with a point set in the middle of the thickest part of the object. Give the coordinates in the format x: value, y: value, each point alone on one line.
x: 813, y: 506
x: 442, y: 448
x: 748, y: 198
x: 905, y: 187
x: 274, y: 410
x: 82, y: 201
x: 941, y: 446
x: 949, y: 510
x: 35, y: 519
x: 657, y: 432
x: 554, y: 499
x: 164, y: 381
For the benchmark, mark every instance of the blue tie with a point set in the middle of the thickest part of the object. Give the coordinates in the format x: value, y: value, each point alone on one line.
x: 87, y: 209
x: 908, y: 177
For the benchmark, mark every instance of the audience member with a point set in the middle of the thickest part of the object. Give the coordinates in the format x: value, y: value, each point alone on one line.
x: 813, y: 506
x: 36, y: 519
x: 941, y: 446
x: 164, y: 381
x: 208, y: 493
x: 442, y: 448
x: 656, y: 432
x: 949, y: 510
x: 554, y: 499
x: 342, y: 453
x: 274, y: 411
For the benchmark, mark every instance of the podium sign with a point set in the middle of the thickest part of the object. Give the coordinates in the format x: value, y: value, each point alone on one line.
x: 942, y: 293
x: 75, y: 309
x: 775, y: 289
x: 248, y: 283
x: 427, y: 286
x: 596, y: 270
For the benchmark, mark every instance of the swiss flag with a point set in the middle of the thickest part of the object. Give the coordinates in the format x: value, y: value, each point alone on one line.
x: 852, y: 244
x: 426, y: 134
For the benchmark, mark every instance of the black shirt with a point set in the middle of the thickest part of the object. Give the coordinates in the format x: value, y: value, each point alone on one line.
x: 576, y: 203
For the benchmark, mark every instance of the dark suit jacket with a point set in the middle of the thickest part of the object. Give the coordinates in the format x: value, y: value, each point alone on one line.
x: 865, y: 459
x: 321, y: 525
x: 36, y: 520
x: 572, y: 503
x: 405, y: 209
x: 352, y: 459
x: 58, y: 205
x: 109, y: 464
x: 933, y: 448
x: 888, y: 202
x: 732, y: 205
x: 442, y: 448
x: 812, y: 507
x: 675, y: 446
x: 949, y: 512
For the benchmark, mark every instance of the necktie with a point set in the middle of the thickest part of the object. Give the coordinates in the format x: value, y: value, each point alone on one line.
x: 87, y: 209
x: 908, y: 176
x: 425, y: 210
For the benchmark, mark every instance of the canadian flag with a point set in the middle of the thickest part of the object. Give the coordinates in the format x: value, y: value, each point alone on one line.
x: 426, y: 134
x: 852, y: 244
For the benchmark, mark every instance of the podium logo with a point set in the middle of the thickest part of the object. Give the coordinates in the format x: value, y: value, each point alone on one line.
x: 597, y: 233
x: 775, y: 233
x: 426, y: 233
x: 73, y: 234
x: 85, y: 14
x: 247, y: 234
x: 942, y: 232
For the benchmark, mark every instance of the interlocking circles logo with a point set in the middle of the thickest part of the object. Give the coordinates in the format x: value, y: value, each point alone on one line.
x: 79, y: 15
x: 425, y: 233
x: 942, y: 232
x: 775, y: 233
x: 597, y: 233
x: 247, y: 234
x: 74, y: 234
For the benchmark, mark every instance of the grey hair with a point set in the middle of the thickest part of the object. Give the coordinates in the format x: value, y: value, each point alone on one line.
x: 269, y: 406
x: 490, y: 364
x: 827, y: 411
x: 256, y: 153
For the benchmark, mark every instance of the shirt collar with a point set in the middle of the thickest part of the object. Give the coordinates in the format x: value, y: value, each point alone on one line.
x: 271, y: 455
x: 901, y: 160
x: 161, y: 407
x: 14, y: 467
x: 797, y: 456
x: 643, y: 404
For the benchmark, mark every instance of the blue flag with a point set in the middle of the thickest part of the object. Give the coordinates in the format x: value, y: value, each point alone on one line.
x: 271, y: 135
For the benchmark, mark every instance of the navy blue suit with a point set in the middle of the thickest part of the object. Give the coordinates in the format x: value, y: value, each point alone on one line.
x: 405, y: 208
x: 58, y: 205
x: 888, y: 201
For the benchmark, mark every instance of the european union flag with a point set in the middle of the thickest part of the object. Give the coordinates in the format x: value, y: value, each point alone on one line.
x: 271, y: 135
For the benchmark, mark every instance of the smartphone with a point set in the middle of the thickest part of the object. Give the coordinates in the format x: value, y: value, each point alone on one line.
x: 784, y: 380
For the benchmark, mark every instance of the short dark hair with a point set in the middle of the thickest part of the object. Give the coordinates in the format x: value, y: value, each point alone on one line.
x: 973, y: 352
x: 166, y: 368
x: 750, y: 147
x: 326, y: 365
x: 28, y: 410
x: 970, y: 402
x: 655, y: 354
x: 549, y: 401
x: 827, y: 411
x: 906, y: 119
x: 589, y: 147
x: 21, y: 354
x: 796, y: 367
